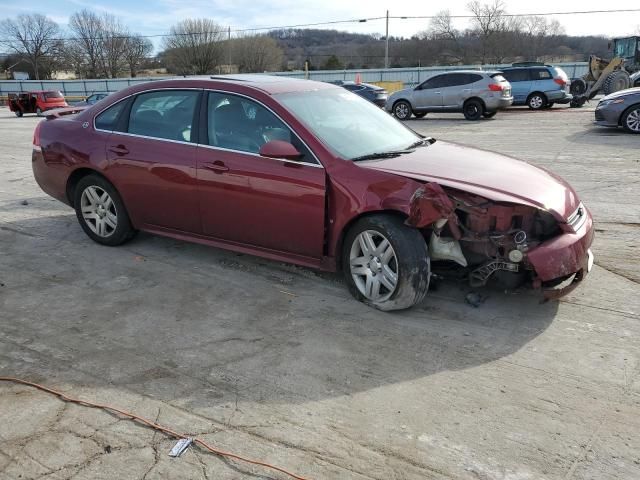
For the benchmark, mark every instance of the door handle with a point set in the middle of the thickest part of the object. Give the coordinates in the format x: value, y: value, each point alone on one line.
x: 217, y: 166
x: 437, y: 93
x: 119, y: 149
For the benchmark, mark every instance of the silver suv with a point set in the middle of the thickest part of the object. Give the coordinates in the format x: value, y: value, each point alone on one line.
x: 473, y: 93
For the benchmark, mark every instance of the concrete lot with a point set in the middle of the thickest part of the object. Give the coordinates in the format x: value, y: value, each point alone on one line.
x: 279, y: 363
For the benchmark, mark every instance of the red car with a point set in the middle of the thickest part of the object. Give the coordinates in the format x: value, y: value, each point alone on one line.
x: 36, y: 102
x: 304, y: 172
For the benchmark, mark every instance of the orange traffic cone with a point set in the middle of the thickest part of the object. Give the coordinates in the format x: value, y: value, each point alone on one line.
x: 358, y: 79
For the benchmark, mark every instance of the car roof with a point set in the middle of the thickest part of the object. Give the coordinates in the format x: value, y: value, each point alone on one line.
x: 480, y: 72
x: 270, y: 84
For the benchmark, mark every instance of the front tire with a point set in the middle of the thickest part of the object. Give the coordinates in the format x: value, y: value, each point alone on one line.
x: 631, y: 119
x: 101, y: 211
x: 473, y: 110
x: 402, y: 110
x: 616, y: 81
x: 386, y: 263
x: 536, y: 101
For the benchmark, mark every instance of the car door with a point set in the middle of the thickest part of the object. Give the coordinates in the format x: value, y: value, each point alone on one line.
x: 252, y: 200
x: 455, y: 90
x: 520, y: 83
x: 428, y: 95
x: 542, y: 80
x: 152, y: 158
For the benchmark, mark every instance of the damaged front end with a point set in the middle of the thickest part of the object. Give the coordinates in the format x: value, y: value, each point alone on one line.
x: 512, y: 243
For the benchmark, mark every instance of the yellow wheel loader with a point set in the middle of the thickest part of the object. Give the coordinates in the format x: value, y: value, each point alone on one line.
x: 608, y: 76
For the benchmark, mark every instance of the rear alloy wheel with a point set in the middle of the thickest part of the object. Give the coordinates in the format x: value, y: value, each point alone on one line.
x: 101, y: 212
x: 489, y: 114
x: 536, y: 101
x: 419, y: 114
x: 473, y: 110
x: 631, y: 119
x: 386, y: 263
x: 402, y: 110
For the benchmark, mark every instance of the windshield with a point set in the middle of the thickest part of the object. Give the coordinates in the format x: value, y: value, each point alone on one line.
x: 348, y: 124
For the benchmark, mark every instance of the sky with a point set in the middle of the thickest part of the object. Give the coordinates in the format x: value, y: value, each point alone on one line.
x: 153, y: 17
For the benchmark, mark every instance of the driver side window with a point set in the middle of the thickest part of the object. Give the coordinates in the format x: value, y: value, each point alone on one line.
x: 433, y: 82
x: 237, y: 123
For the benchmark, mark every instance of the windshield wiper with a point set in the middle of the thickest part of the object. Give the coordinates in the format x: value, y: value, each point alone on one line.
x: 423, y: 142
x: 375, y: 155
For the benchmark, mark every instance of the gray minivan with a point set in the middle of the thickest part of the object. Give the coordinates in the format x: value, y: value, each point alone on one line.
x: 471, y: 92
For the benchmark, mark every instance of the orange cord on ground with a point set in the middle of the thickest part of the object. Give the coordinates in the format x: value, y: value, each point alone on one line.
x: 151, y: 424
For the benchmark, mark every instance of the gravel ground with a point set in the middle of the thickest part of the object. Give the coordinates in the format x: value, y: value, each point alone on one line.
x: 279, y: 363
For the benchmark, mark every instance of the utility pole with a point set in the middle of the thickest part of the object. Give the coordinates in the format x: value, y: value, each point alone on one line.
x: 229, y: 50
x: 386, y: 45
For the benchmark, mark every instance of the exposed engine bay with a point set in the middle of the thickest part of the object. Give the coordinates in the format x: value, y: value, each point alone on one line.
x: 488, y: 239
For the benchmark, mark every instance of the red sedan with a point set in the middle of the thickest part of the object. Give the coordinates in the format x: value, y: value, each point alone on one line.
x: 309, y: 173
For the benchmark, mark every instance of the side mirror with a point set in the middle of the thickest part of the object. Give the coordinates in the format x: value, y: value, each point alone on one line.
x: 279, y: 149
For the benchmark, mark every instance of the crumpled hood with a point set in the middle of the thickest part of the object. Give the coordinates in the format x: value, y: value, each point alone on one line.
x: 491, y: 175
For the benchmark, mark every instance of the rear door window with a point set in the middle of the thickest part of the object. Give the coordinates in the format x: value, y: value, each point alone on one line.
x: 455, y: 79
x: 166, y: 114
x: 517, y: 75
x: 540, y: 74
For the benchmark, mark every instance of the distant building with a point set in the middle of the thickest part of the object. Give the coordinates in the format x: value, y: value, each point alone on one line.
x: 20, y: 75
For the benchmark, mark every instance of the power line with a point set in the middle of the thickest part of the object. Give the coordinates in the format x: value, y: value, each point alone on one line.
x: 544, y: 14
x: 348, y: 21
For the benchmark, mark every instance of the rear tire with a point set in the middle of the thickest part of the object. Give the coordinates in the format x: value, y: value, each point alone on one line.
x: 402, y: 110
x: 101, y: 211
x: 631, y: 119
x: 616, y: 81
x: 536, y: 101
x: 419, y: 114
x: 473, y: 110
x: 18, y: 113
x: 578, y: 87
x: 38, y: 112
x: 386, y: 263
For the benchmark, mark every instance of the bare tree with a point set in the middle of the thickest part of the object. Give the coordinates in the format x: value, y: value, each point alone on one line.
x: 194, y: 46
x: 441, y: 30
x: 86, y: 29
x: 32, y: 37
x: 256, y: 53
x: 137, y: 50
x: 491, y: 25
x: 113, y: 45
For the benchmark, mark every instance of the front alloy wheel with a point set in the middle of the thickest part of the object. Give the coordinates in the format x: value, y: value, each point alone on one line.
x: 374, y: 266
x: 402, y: 110
x: 385, y: 262
x: 631, y: 120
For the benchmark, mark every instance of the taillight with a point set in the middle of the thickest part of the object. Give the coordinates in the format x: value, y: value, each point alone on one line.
x: 36, y: 137
x: 560, y: 81
x: 494, y: 87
